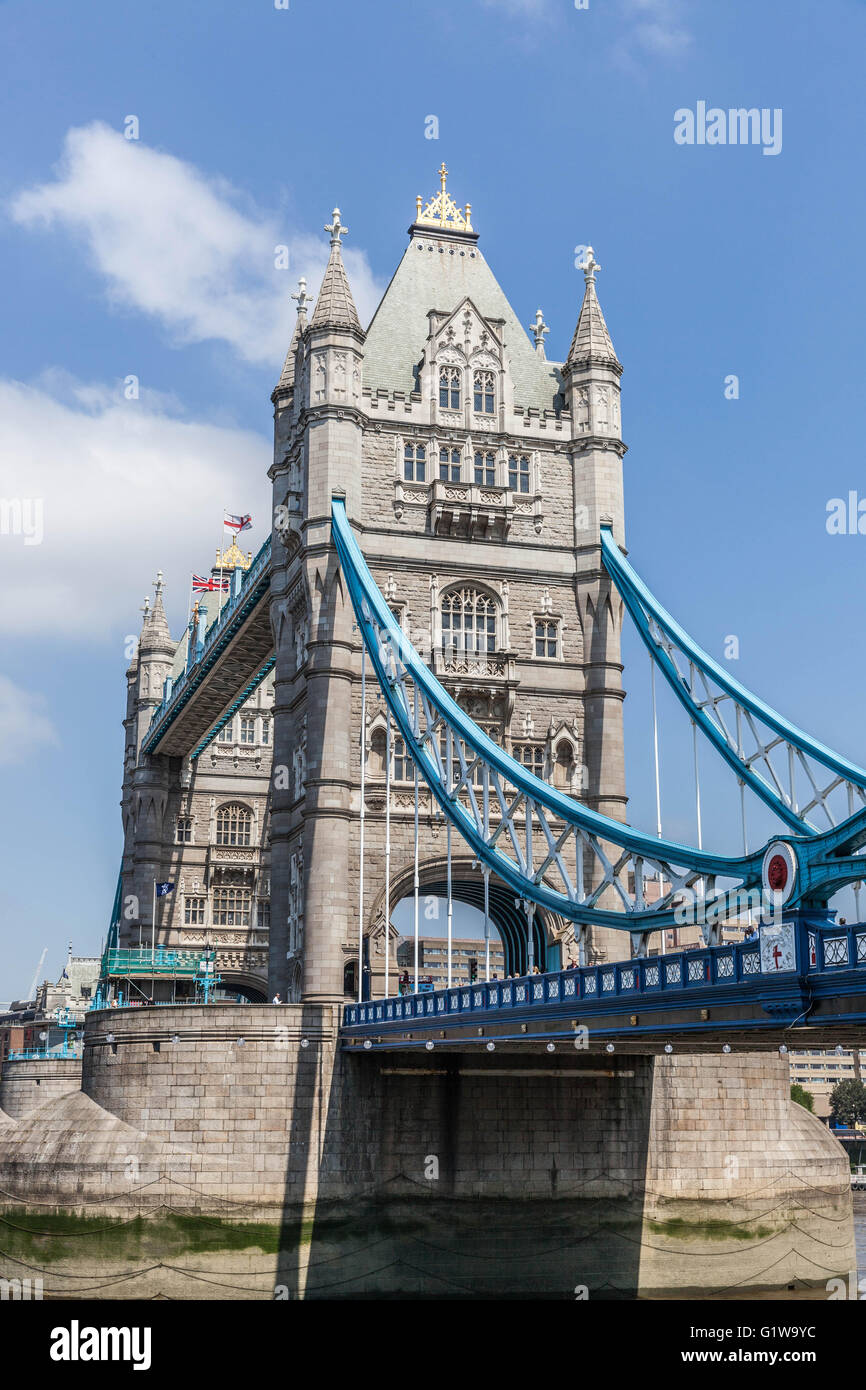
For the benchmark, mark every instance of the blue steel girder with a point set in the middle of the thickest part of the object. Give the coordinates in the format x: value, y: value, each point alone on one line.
x: 240, y: 699
x: 234, y: 619
x: 665, y: 640
x: 501, y: 810
x: 471, y: 777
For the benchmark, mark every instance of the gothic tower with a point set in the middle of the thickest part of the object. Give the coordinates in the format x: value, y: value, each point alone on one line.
x: 475, y: 473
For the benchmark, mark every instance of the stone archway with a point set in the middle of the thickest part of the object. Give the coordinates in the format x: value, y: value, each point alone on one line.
x: 550, y: 933
x: 250, y: 988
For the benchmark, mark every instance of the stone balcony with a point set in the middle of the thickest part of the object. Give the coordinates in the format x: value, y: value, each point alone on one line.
x: 483, y: 682
x: 234, y: 856
x: 470, y: 509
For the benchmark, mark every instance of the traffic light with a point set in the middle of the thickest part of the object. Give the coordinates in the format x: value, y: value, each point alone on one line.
x: 473, y: 969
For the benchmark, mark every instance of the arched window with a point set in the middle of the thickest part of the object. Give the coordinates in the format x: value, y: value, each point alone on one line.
x: 350, y: 979
x: 401, y: 763
x: 183, y: 830
x: 485, y: 469
x: 468, y: 621
x: 563, y: 767
x: 234, y: 825
x: 449, y: 465
x: 518, y: 472
x: 415, y: 463
x: 449, y: 388
x: 377, y: 753
x: 484, y: 393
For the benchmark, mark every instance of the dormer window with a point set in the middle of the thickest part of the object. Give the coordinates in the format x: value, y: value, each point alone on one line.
x: 449, y: 388
x: 484, y: 393
x: 449, y: 465
x: 518, y: 472
x: 415, y: 463
x: 485, y: 469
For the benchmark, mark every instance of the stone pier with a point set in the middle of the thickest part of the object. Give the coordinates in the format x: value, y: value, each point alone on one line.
x: 249, y: 1143
x: 28, y: 1082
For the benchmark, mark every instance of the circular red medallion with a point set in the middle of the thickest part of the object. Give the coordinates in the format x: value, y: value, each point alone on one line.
x: 777, y: 873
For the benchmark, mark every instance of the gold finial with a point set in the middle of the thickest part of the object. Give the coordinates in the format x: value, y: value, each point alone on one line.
x: 233, y: 558
x: 442, y: 211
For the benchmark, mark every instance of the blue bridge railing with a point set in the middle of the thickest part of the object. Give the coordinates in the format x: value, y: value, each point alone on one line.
x: 780, y: 957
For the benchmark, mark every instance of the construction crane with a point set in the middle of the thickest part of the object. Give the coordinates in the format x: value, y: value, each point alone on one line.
x: 36, y: 975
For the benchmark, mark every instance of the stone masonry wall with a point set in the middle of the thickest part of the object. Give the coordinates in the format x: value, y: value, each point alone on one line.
x: 513, y: 1172
x: 26, y: 1084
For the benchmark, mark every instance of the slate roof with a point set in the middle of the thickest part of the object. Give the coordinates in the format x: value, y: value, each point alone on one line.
x: 441, y: 279
x: 335, y: 307
x: 287, y: 375
x: 591, y: 338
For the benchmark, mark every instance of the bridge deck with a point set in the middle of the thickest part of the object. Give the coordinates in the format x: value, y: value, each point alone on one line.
x: 736, y: 994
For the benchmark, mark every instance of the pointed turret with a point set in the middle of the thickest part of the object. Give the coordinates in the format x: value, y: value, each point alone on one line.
x: 155, y: 631
x: 591, y: 372
x: 335, y: 307
x: 591, y: 341
x: 287, y: 377
x: 155, y: 656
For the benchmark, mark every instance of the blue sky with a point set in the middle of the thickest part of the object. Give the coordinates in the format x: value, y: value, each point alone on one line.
x: 154, y: 258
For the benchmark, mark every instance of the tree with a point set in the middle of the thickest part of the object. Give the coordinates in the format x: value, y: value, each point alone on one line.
x: 848, y: 1102
x: 802, y: 1097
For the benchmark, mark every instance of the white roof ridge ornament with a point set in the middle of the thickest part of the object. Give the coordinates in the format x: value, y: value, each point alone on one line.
x: 590, y: 266
x: 301, y: 295
x: 336, y: 228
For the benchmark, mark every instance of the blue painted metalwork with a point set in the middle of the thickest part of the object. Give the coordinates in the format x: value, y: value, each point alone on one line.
x: 255, y: 585
x: 67, y: 1049
x: 241, y: 699
x: 827, y: 961
x: 427, y: 716
x: 647, y: 612
x: 126, y: 964
x: 415, y: 696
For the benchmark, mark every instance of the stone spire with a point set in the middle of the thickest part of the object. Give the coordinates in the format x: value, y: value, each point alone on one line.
x: 591, y: 341
x: 155, y: 631
x: 287, y: 376
x: 335, y: 307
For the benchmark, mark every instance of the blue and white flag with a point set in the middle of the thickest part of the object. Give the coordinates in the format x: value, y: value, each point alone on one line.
x: 163, y: 889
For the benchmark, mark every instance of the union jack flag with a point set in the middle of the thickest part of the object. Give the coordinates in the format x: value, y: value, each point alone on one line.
x: 237, y: 523
x: 200, y: 585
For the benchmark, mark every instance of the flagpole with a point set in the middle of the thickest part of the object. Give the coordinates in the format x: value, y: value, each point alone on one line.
x: 188, y: 616
x: 222, y: 548
x: 153, y: 942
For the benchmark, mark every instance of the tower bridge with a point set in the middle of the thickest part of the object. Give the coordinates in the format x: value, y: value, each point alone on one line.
x: 415, y: 687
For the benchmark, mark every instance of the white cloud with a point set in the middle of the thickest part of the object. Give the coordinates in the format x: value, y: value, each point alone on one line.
x: 175, y: 245
x: 24, y: 727
x: 124, y: 486
x: 656, y: 26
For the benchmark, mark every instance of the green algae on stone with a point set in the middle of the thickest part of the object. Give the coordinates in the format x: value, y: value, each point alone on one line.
x: 679, y: 1229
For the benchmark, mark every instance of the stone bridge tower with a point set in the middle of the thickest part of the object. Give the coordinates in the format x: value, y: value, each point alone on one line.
x: 475, y: 472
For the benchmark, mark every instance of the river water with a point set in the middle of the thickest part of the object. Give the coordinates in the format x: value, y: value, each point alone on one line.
x: 811, y: 1295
